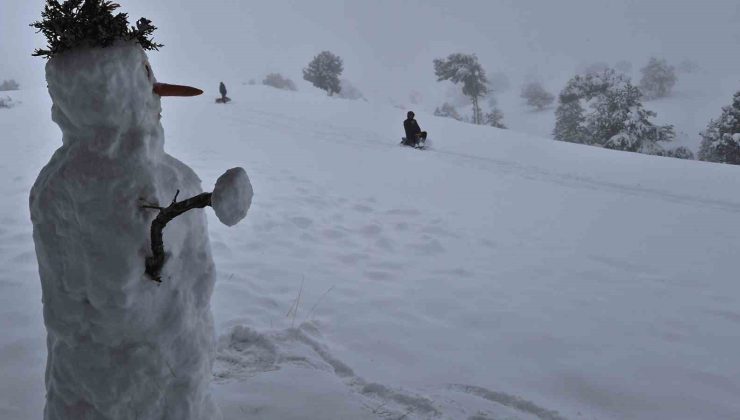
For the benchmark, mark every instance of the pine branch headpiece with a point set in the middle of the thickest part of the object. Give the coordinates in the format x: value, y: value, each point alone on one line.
x: 88, y: 23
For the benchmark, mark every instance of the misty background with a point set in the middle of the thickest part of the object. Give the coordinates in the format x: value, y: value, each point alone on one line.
x: 388, y: 46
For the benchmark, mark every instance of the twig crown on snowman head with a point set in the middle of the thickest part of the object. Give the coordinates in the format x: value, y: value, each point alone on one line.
x: 89, y: 23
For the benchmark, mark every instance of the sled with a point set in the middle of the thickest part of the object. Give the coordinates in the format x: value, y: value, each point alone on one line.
x: 420, y: 145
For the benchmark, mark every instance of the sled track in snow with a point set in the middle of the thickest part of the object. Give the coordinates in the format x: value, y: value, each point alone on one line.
x: 572, y: 180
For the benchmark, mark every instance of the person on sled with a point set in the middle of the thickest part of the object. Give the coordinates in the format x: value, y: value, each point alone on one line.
x: 414, y: 135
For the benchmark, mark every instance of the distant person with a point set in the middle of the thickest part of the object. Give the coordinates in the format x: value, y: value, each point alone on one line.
x: 413, y: 131
x: 222, y: 91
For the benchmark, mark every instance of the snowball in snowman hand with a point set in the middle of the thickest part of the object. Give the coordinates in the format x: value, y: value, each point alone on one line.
x: 232, y: 196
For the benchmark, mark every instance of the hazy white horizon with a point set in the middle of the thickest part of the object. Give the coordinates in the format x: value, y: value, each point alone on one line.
x: 388, y: 46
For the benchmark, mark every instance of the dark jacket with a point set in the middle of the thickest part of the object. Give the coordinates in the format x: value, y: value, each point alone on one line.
x: 412, y: 128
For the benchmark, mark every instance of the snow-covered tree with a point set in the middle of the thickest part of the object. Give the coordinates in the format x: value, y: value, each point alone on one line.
x: 571, y: 115
x: 495, y: 118
x: 658, y: 79
x: 324, y: 71
x: 465, y: 69
x: 278, y: 81
x: 605, y: 109
x: 569, y: 119
x: 721, y: 140
x: 349, y: 91
x: 447, y: 111
x: 536, y: 95
x: 9, y: 85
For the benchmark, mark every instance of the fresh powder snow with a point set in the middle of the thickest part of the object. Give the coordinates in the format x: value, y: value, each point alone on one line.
x: 496, y: 275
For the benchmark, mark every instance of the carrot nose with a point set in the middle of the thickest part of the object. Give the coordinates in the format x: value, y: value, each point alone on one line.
x: 164, y: 89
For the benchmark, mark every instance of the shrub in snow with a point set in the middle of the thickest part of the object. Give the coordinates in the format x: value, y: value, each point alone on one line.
x: 680, y: 152
x: 277, y: 81
x: 536, y: 96
x: 447, y: 111
x: 495, y: 118
x: 252, y: 82
x: 9, y: 85
x: 721, y: 139
x: 349, y: 91
x: 658, y: 79
x: 464, y: 69
x: 605, y: 109
x: 6, y: 102
x: 324, y: 71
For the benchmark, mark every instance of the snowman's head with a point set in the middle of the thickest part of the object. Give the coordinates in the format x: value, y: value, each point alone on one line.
x: 95, y: 91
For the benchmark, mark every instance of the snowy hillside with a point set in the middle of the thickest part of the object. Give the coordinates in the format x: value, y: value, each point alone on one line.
x: 497, y: 275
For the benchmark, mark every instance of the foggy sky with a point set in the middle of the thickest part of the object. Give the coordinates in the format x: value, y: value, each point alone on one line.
x: 388, y: 46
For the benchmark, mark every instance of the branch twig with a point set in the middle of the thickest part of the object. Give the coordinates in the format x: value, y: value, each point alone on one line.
x: 155, y: 262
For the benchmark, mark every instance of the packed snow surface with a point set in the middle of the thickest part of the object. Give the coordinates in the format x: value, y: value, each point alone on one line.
x: 120, y: 345
x: 496, y: 275
x: 232, y: 196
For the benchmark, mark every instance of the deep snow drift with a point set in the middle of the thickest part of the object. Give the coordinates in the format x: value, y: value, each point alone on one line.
x: 497, y: 275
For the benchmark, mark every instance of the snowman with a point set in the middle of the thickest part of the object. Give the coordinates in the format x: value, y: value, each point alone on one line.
x: 126, y: 302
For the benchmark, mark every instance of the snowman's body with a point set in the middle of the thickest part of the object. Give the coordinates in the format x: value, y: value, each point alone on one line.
x: 120, y: 346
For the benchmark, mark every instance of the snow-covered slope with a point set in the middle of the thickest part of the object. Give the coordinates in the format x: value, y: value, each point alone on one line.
x: 497, y: 275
